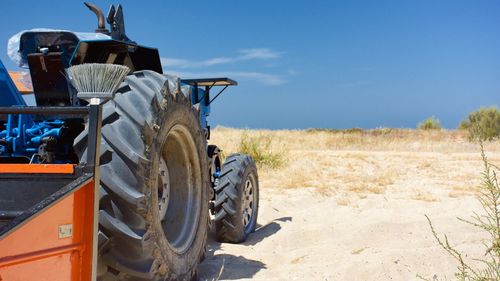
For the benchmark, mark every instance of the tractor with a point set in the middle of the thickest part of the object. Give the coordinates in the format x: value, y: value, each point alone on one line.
x: 159, y: 185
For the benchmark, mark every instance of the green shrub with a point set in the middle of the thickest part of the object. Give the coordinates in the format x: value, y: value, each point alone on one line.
x: 431, y: 123
x: 259, y: 147
x: 483, y: 124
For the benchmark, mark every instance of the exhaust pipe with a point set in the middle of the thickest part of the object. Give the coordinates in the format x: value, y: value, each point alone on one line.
x: 101, y: 27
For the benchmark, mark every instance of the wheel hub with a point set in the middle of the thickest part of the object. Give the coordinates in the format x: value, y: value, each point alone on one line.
x: 180, y: 211
x: 163, y: 188
x: 248, y: 200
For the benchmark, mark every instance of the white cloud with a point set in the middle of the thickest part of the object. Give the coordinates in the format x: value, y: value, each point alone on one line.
x: 263, y: 78
x: 259, y: 53
x: 216, y: 61
x: 177, y: 66
x: 175, y: 62
x: 244, y: 55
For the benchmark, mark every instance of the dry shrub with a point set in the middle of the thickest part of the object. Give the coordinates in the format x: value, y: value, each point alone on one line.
x: 489, y: 221
x: 423, y: 196
x: 335, y: 131
x: 381, y: 131
x: 260, y: 149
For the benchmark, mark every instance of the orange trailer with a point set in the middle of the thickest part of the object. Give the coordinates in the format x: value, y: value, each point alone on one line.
x: 48, y: 213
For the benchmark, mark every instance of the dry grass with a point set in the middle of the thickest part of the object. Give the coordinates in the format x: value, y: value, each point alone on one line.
x: 424, y: 196
x: 383, y: 139
x: 262, y: 152
x: 416, y: 164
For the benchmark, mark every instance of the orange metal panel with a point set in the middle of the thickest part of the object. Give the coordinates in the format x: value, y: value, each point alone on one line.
x: 43, y: 249
x: 22, y: 80
x: 55, y: 268
x: 37, y: 168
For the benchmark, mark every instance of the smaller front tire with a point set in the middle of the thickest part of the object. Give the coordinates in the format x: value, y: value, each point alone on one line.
x: 236, y: 199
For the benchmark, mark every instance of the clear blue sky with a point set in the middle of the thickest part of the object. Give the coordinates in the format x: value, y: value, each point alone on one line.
x: 303, y: 64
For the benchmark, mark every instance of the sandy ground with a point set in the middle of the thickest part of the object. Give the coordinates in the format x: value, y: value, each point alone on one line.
x: 306, y: 236
x: 364, y: 220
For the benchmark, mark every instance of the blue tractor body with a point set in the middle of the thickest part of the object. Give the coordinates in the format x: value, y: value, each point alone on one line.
x: 10, y: 94
x: 47, y: 53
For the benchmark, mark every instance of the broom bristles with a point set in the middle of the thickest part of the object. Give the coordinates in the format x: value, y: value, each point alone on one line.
x: 97, y: 77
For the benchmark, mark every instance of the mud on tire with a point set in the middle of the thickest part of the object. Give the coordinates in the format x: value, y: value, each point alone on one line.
x: 154, y: 182
x: 236, y: 199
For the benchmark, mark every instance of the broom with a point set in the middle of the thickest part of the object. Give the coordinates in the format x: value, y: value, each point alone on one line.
x: 96, y: 81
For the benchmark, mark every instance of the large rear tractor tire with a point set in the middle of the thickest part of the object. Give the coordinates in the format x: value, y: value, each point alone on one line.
x: 236, y: 199
x: 153, y: 218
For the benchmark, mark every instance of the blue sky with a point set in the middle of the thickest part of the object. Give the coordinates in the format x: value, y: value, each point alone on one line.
x: 304, y: 64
